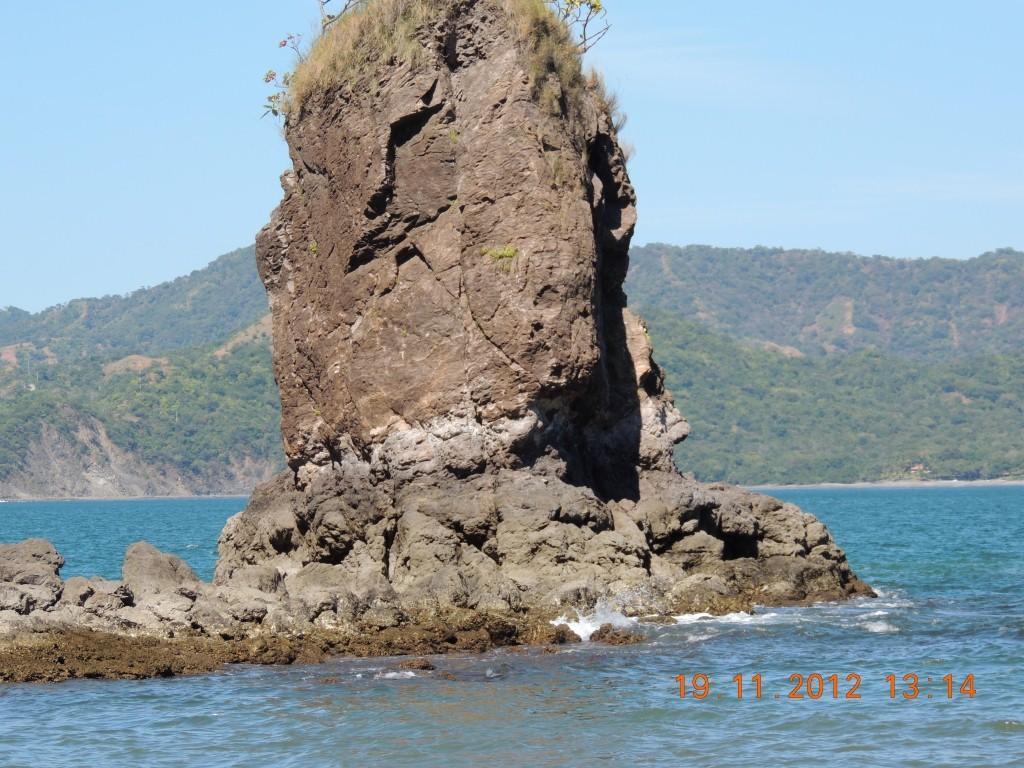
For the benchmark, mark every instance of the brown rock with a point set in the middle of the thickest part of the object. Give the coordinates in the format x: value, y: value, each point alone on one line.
x: 472, y: 417
x: 147, y: 570
x: 416, y: 664
x: 612, y: 635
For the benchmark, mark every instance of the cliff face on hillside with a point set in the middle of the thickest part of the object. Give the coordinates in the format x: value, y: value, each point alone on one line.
x: 473, y: 421
x: 83, y: 462
x: 166, y: 391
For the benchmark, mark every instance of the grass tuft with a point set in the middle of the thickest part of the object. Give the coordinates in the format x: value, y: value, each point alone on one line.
x: 381, y: 32
x: 503, y: 257
x: 371, y: 33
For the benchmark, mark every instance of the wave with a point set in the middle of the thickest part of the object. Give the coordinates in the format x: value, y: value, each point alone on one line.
x: 402, y: 674
x: 880, y: 627
x: 867, y: 614
x: 585, y: 625
x: 729, y: 618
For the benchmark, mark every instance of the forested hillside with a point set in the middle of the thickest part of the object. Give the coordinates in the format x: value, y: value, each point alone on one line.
x: 827, y: 303
x: 165, y: 391
x: 764, y: 417
x: 205, y: 306
x: 792, y: 367
x: 806, y: 366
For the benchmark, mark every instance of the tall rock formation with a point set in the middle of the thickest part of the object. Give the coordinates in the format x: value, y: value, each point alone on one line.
x: 471, y: 414
x: 445, y: 274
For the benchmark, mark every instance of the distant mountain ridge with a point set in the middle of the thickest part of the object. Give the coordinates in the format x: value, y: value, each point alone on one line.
x: 808, y: 367
x: 204, y: 306
x: 165, y: 391
x: 814, y: 302
x: 169, y: 390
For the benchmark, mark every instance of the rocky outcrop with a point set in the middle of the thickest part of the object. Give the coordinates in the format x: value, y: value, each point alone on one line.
x: 474, y: 424
x: 471, y: 415
x: 29, y: 576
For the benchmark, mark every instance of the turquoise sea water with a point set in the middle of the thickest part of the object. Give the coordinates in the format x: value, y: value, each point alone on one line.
x: 949, y: 564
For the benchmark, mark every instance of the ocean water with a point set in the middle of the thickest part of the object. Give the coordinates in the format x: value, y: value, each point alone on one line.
x: 948, y: 564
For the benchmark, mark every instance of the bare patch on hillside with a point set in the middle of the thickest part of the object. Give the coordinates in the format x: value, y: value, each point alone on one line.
x: 258, y: 330
x: 134, y: 364
x: 779, y: 349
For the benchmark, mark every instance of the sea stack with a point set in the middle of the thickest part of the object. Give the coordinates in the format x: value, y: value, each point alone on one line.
x: 471, y: 414
x: 478, y: 438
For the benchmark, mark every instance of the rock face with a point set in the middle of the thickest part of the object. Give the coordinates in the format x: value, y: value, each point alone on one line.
x: 445, y: 275
x: 473, y: 421
x: 29, y: 576
x: 471, y: 415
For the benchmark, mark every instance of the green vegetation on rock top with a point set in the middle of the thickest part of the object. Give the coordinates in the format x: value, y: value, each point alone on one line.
x: 389, y: 32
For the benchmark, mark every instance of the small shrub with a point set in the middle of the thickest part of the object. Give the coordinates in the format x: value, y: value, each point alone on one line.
x: 503, y: 256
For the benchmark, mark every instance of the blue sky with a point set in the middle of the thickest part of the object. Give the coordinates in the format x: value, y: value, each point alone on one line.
x: 132, y: 148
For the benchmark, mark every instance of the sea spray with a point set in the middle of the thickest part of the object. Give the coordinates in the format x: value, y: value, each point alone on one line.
x: 585, y: 625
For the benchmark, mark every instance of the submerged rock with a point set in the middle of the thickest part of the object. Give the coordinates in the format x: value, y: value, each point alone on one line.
x: 474, y: 424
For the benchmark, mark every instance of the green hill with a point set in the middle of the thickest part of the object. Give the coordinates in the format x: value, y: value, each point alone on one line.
x: 764, y: 417
x: 828, y: 303
x: 141, y: 394
x: 792, y: 367
x: 807, y: 367
x: 203, y: 307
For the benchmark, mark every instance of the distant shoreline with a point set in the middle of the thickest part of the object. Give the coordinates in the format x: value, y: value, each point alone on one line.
x: 882, y: 484
x: 894, y: 484
x: 129, y: 498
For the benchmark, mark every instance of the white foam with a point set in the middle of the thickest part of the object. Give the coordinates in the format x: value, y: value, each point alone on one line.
x: 881, y: 627
x: 728, y: 618
x: 750, y: 618
x: 586, y: 625
x: 403, y: 674
x: 692, y: 618
x: 887, y: 599
x: 697, y: 637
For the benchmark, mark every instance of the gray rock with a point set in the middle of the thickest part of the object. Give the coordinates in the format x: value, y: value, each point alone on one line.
x: 29, y: 576
x: 105, y: 596
x: 148, y: 571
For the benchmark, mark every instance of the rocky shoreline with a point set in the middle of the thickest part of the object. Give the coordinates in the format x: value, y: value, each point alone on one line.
x: 160, y: 619
x: 61, y: 654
